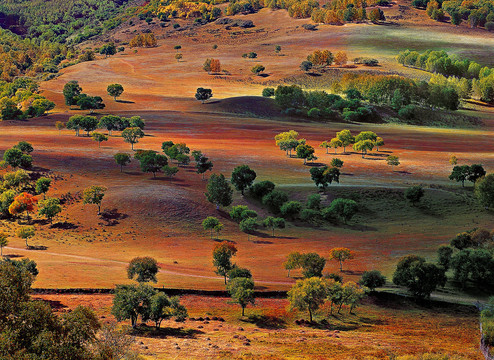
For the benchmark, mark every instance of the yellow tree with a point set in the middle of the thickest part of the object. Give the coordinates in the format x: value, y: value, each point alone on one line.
x: 341, y: 254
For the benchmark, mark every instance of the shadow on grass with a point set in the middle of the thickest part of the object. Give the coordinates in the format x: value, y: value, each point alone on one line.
x: 164, y: 332
x: 13, y: 256
x: 37, y: 247
x: 266, y: 322
x: 64, y: 225
x: 125, y: 101
x: 112, y: 217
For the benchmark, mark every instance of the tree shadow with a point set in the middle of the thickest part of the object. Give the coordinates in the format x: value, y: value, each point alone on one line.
x: 112, y: 217
x: 165, y: 332
x: 54, y: 304
x: 64, y: 225
x: 266, y: 322
x: 262, y: 242
x: 263, y: 75
x: 403, y: 172
x: 352, y: 272
x: 37, y: 247
x: 125, y: 101
x: 13, y: 256
x: 315, y: 164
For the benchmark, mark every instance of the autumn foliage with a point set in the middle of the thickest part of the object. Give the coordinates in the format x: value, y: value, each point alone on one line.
x: 23, y: 202
x: 143, y: 40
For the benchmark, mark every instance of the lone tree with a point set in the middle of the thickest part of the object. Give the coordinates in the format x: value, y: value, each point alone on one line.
x: 211, y: 223
x: 49, y: 208
x: 241, y: 290
x: 308, y: 295
x: 122, y: 159
x: 341, y: 254
x: 203, y: 164
x: 414, y: 194
x: 25, y: 232
x: 132, y: 135
x: 243, y: 177
x: 108, y: 50
x: 115, y: 90
x: 131, y: 301
x: 248, y: 225
x: 3, y: 241
x: 372, y: 279
x: 393, y: 161
x: 145, y: 268
x: 203, y: 94
x: 484, y: 191
x: 219, y: 191
x: 43, y: 185
x: 178, y: 57
x: 274, y: 223
x: 99, y: 138
x: 60, y: 126
x: 16, y: 158
x: 257, y: 69
x: 293, y: 261
x: 222, y: 258
x: 94, y: 195
x: 306, y: 66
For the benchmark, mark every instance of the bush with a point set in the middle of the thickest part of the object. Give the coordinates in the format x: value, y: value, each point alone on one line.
x: 407, y: 112
x: 291, y: 209
x: 310, y: 27
x: 372, y: 279
x: 262, y: 188
x: 489, y: 26
x: 274, y: 200
x: 268, y: 92
x: 314, y: 202
x: 311, y: 216
x: 314, y: 113
x: 414, y: 194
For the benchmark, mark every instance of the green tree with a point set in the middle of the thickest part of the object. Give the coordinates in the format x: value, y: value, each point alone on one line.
x: 274, y: 200
x: 24, y: 146
x: 346, y: 138
x: 122, y: 159
x: 132, y: 135
x: 293, y: 261
x: 3, y: 241
x: 131, y: 301
x: 115, y: 90
x: 341, y: 254
x: 110, y: 123
x: 203, y: 164
x: 26, y: 232
x: 238, y: 272
x: 444, y: 253
x: 99, y: 137
x: 372, y: 279
x: 88, y: 123
x: 291, y: 209
x: 222, y: 258
x: 335, y: 143
x: 460, y: 173
x: 274, y: 223
x: 152, y: 162
x: 337, y: 163
x: 308, y: 295
x: 13, y: 157
x: 248, y: 225
x: 306, y: 66
x: 418, y: 276
x: 344, y: 208
x: 94, y: 195
x: 163, y: 307
x: 414, y: 194
x: 257, y: 69
x: 74, y: 123
x: 484, y: 191
x: 91, y: 103
x: 145, y: 268
x: 241, y: 291
x: 312, y: 265
x: 258, y: 190
x: 243, y: 177
x: 169, y: 171
x: 304, y: 151
x: 210, y: 223
x: 49, y: 207
x: 60, y: 125
x: 108, y: 50
x: 219, y: 191
x: 476, y: 172
x: 364, y: 146
x: 393, y: 160
x: 42, y: 185
x: 71, y: 91
x: 203, y: 94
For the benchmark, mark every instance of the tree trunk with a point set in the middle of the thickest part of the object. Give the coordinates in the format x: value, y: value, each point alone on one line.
x: 99, y: 208
x: 273, y: 231
x: 211, y: 234
x: 327, y: 150
x: 225, y: 279
x: 305, y: 161
x: 121, y: 168
x: 243, y: 310
x: 335, y: 151
x: 341, y: 264
x: 288, y: 273
x: 310, y: 314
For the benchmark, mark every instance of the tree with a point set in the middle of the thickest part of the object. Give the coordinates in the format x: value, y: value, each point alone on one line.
x: 243, y: 177
x: 346, y: 138
x: 169, y: 171
x: 49, y: 208
x: 274, y: 223
x: 444, y: 253
x: 312, y: 265
x: 376, y: 15
x: 341, y: 254
x: 291, y: 209
x: 24, y: 146
x: 304, y: 151
x: 178, y: 57
x: 238, y: 272
x: 337, y: 163
x: 145, y: 268
x: 453, y: 160
x: 306, y: 66
x: 372, y: 279
x: 42, y: 186
x: 203, y: 164
x: 16, y: 158
x: 293, y: 261
x: 484, y: 191
x: 71, y: 91
x: 351, y: 294
x: 152, y: 162
x: 131, y: 301
x: 241, y: 290
x: 59, y: 125
x: 3, y: 242
x: 237, y: 213
x: 211, y: 223
x: 344, y: 208
x: 132, y: 135
x: 414, y: 194
x: 340, y: 58
x: 258, y: 190
x: 203, y: 94
x: 393, y: 160
x: 335, y: 143
x: 222, y: 258
x: 363, y: 146
x: 88, y: 123
x: 274, y: 200
x: 163, y: 307
x: 476, y: 172
x: 23, y: 202
x: 91, y: 103
x: 108, y: 50
x: 257, y: 69
x: 248, y: 225
x: 219, y: 191
x: 99, y: 137
x: 110, y: 123
x: 308, y: 294
x: 460, y: 173
x: 455, y: 17
x: 74, y: 123
x: 379, y: 142
x: 177, y: 47
x: 25, y: 232
x: 115, y: 90
x: 94, y: 195
x: 418, y: 276
x: 122, y: 159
